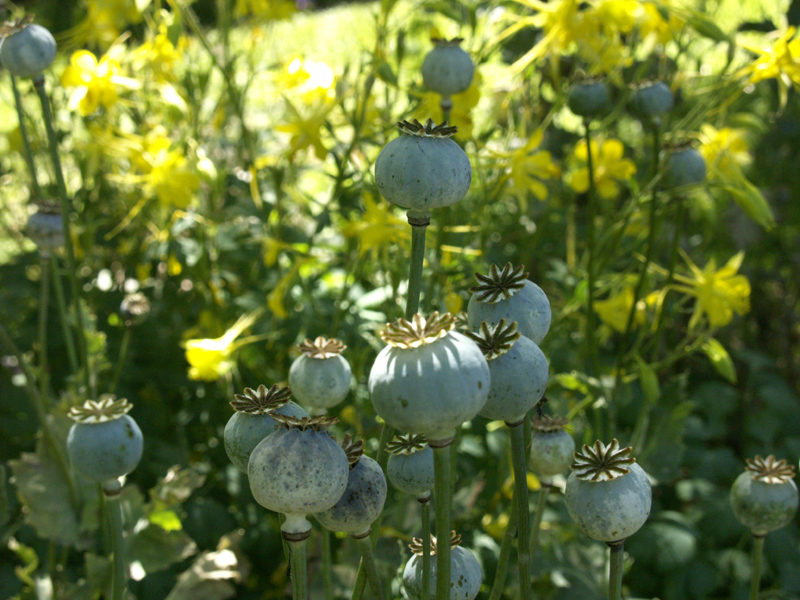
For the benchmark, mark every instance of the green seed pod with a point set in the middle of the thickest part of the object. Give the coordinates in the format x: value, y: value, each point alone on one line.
x: 27, y: 50
x: 651, y: 100
x: 508, y: 295
x: 589, y: 99
x: 552, y: 448
x: 608, y: 494
x: 685, y: 167
x: 764, y: 498
x: 423, y: 169
x: 428, y: 379
x: 252, y: 420
x: 104, y: 443
x: 298, y: 470
x: 320, y: 376
x: 362, y: 501
x: 518, y: 371
x: 465, y: 572
x: 447, y: 69
x: 410, y: 466
x: 46, y: 228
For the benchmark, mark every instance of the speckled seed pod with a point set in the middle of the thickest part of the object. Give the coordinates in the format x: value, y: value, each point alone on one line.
x: 509, y: 295
x: 46, y: 228
x: 764, y: 498
x: 410, y: 466
x: 298, y: 470
x: 589, y: 99
x: 252, y: 420
x: 651, y: 100
x: 423, y: 169
x: 429, y: 379
x: 362, y: 501
x: 447, y: 69
x: 27, y: 50
x: 104, y: 443
x: 518, y: 370
x: 465, y: 572
x: 320, y: 376
x: 608, y: 495
x: 685, y: 166
x: 552, y: 448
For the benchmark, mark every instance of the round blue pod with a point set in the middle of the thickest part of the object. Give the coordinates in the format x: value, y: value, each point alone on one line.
x: 362, y: 501
x: 29, y: 51
x: 103, y: 451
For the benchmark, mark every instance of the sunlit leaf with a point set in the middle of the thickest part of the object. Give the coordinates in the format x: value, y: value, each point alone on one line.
x: 720, y: 359
x: 209, y: 578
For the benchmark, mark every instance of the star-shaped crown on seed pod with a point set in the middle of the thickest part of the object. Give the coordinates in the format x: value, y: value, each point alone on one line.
x: 437, y: 41
x: 315, y: 423
x: 770, y: 470
x: 417, y: 548
x: 494, y: 341
x: 406, y: 444
x: 15, y: 25
x: 107, y: 408
x: 601, y: 462
x: 261, y: 401
x: 547, y: 424
x: 499, y: 285
x: 321, y: 347
x: 430, y: 129
x: 353, y: 449
x: 419, y: 331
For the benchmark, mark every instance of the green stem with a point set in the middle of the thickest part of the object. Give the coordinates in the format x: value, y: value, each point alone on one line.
x: 523, y: 511
x: 442, y: 498
x: 446, y: 105
x: 23, y: 131
x: 590, y: 242
x: 505, y: 555
x: 418, y: 227
x: 298, y: 552
x: 755, y: 575
x: 111, y: 491
x: 537, y: 522
x: 44, y: 304
x: 327, y: 582
x: 615, y: 569
x: 65, y: 218
x: 63, y: 314
x: 368, y: 560
x: 426, y: 546
x: 123, y: 354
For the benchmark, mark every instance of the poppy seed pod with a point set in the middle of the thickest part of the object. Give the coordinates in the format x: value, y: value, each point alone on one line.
x: 765, y: 498
x: 589, y: 99
x: 651, y: 100
x: 447, y: 69
x: 552, y: 447
x: 465, y: 572
x: 410, y: 466
x: 28, y: 50
x: 685, y: 166
x: 320, y: 376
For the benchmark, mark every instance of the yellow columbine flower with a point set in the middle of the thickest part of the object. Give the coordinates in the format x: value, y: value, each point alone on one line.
x: 167, y: 173
x: 376, y: 227
x: 609, y: 168
x: 306, y: 131
x: 210, y: 359
x: 652, y: 22
x: 96, y: 82
x: 780, y: 62
x: 312, y: 80
x: 720, y: 292
x: 267, y: 9
x: 725, y: 150
x: 528, y: 166
x: 159, y: 54
x: 460, y: 114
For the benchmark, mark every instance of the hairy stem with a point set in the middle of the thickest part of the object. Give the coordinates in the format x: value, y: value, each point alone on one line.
x: 298, y: 552
x: 441, y: 497
x: 418, y: 228
x: 523, y: 511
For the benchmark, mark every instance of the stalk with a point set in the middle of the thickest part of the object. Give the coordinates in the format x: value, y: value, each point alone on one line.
x: 61, y: 303
x: 418, y: 226
x: 505, y: 555
x: 426, y: 545
x: 523, y: 510
x: 111, y: 491
x: 368, y: 560
x: 537, y: 522
x: 441, y: 466
x: 446, y: 104
x: 23, y: 130
x: 123, y: 354
x: 298, y: 562
x: 590, y: 242
x: 755, y: 561
x: 615, y: 569
x: 65, y: 216
x: 44, y: 303
x: 327, y: 583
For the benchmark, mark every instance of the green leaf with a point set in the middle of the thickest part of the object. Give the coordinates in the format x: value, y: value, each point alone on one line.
x: 44, y: 490
x: 208, y: 578
x: 706, y: 27
x: 166, y: 519
x: 750, y: 200
x: 649, y: 381
x: 177, y: 485
x: 156, y: 549
x: 385, y: 72
x: 720, y: 359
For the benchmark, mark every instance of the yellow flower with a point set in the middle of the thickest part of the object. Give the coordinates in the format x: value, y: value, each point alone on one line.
x: 725, y: 150
x: 780, y: 62
x: 609, y: 168
x: 267, y: 9
x: 167, y: 172
x: 528, y: 166
x: 96, y: 82
x: 306, y: 131
x: 312, y: 80
x: 460, y: 114
x: 376, y: 227
x: 720, y: 293
x: 659, y: 22
x: 104, y: 22
x: 159, y: 54
x: 210, y: 359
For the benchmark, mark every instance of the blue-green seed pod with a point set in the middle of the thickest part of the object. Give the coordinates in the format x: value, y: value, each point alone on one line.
x: 447, y: 69
x: 651, y: 100
x: 552, y: 447
x: 465, y: 572
x: 589, y: 99
x: 46, y: 228
x: 765, y: 498
x: 28, y: 51
x: 410, y: 466
x: 320, y: 376
x: 685, y: 167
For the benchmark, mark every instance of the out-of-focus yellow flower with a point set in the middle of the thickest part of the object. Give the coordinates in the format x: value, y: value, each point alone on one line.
x: 615, y: 310
x: 376, y: 227
x: 210, y: 359
x: 96, y: 83
x: 167, y: 172
x: 105, y: 20
x: 781, y: 62
x: 528, y: 166
x: 310, y: 79
x: 495, y: 527
x: 266, y: 9
x: 610, y: 168
x: 659, y: 22
x: 159, y: 55
x: 725, y: 150
x: 720, y: 292
x: 306, y: 131
x: 460, y: 114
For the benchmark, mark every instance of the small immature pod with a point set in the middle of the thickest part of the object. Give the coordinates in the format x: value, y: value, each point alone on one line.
x: 447, y: 69
x: 410, y: 466
x: 320, y: 376
x: 765, y: 498
x: 552, y: 447
x: 27, y: 49
x: 465, y: 572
